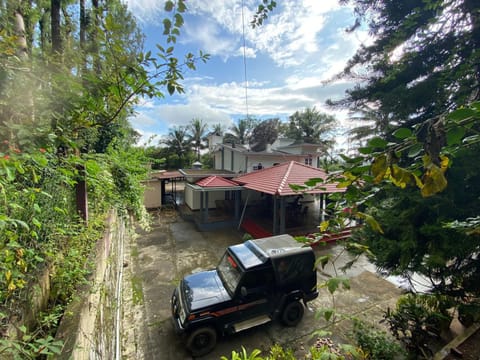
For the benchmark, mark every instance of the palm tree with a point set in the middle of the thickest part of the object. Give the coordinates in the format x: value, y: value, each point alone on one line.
x: 241, y: 133
x: 197, y: 131
x: 312, y: 126
x: 218, y: 129
x: 177, y: 141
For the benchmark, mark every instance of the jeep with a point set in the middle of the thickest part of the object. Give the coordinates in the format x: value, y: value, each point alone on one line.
x: 255, y: 282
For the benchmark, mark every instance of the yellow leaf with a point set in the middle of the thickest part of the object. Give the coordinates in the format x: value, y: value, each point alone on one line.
x: 8, y: 275
x: 324, y: 225
x: 370, y: 220
x: 11, y: 286
x: 418, y: 181
x: 444, y: 162
x: 434, y: 181
x: 379, y: 168
x: 401, y: 177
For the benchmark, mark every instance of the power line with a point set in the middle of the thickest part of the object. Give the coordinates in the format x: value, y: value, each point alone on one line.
x: 245, y: 61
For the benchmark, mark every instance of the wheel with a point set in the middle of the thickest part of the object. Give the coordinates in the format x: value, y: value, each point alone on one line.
x: 201, y: 341
x: 292, y: 313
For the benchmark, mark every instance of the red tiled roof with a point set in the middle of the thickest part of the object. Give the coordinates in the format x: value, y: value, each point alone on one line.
x: 216, y: 181
x: 275, y: 180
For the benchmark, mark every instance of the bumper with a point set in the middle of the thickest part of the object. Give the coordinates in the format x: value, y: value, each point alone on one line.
x: 310, y: 296
x: 175, y: 306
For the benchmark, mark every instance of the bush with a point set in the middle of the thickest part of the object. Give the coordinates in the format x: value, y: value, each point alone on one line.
x: 376, y: 344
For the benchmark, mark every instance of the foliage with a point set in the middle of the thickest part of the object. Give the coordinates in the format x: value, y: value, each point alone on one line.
x: 265, y: 133
x: 67, y: 87
x: 179, y: 147
x: 376, y: 344
x: 311, y: 126
x: 241, y: 132
x: 262, y: 12
x: 29, y: 346
x: 243, y: 355
x: 324, y: 349
x: 416, y: 318
x: 414, y: 237
x: 197, y: 130
x: 423, y: 60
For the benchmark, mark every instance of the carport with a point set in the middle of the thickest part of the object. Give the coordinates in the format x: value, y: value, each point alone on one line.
x: 275, y: 181
x: 229, y: 208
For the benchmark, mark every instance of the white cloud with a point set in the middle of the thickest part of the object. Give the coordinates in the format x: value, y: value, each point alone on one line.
x: 208, y: 36
x: 305, y: 41
x: 249, y: 52
x: 146, y: 11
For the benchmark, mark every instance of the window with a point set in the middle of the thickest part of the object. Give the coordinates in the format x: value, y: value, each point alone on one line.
x: 308, y: 161
x: 258, y: 167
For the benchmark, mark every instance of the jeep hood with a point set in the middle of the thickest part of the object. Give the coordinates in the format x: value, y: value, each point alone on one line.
x: 204, y: 289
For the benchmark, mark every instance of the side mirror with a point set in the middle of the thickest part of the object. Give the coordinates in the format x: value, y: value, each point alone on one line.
x: 243, y: 291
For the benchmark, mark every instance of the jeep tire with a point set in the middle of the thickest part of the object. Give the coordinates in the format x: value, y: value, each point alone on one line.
x: 201, y: 341
x: 292, y: 313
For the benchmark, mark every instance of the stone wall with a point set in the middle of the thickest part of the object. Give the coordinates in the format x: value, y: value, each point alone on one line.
x: 90, y: 328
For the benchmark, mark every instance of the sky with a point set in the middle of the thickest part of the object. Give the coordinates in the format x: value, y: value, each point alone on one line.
x: 285, y: 66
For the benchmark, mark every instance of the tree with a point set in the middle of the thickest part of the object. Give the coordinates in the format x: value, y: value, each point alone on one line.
x: 422, y: 82
x: 414, y: 238
x: 178, y: 144
x: 218, y: 129
x: 311, y: 126
x: 264, y: 133
x: 423, y: 62
x: 67, y: 87
x: 240, y: 133
x: 197, y: 131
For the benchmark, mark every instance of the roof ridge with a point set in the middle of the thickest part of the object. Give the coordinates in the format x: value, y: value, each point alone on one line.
x: 285, y: 176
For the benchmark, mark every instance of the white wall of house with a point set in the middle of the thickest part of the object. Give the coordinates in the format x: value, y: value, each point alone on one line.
x: 213, y: 140
x: 268, y: 161
x: 192, y: 197
x: 232, y: 160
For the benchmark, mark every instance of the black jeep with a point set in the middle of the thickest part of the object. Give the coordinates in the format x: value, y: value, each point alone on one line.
x: 254, y: 283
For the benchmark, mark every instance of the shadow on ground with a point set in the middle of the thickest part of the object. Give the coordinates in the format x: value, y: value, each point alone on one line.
x: 155, y: 261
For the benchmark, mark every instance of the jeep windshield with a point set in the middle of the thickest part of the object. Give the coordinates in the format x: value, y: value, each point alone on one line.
x: 229, y: 272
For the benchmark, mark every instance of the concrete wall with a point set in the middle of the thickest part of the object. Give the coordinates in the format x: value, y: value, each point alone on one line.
x: 91, y: 327
x: 152, y: 197
x: 192, y: 197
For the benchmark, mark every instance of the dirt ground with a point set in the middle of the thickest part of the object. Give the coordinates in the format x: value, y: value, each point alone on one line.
x: 155, y: 262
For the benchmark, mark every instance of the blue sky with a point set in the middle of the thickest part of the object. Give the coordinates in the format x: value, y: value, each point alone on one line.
x: 300, y: 46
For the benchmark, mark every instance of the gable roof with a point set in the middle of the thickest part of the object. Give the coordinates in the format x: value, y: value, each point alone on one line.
x: 216, y: 181
x: 275, y: 180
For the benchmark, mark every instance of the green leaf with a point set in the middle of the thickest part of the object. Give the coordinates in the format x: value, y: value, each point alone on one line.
x: 402, y: 133
x: 181, y: 7
x: 169, y: 5
x: 377, y: 142
x: 323, y: 260
x: 455, y: 135
x: 365, y: 150
x: 415, y: 150
x: 332, y: 284
x: 314, y: 181
x: 461, y: 114
x: 178, y: 20
x: 167, y: 25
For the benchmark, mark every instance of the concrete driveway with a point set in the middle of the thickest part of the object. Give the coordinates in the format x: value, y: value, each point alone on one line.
x: 157, y: 260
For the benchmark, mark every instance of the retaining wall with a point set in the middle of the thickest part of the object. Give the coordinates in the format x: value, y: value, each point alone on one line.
x: 91, y: 326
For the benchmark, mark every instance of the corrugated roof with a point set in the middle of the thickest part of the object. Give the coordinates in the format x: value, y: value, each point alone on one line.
x: 216, y: 181
x: 275, y: 180
x: 167, y: 175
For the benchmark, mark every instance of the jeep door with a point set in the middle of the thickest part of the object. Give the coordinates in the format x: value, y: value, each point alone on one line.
x: 255, y: 293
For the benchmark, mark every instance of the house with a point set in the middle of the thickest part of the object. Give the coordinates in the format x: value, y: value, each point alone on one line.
x: 240, y: 159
